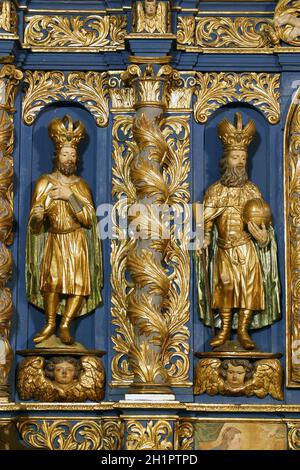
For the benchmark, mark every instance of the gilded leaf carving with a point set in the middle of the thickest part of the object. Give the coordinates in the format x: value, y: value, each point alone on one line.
x: 64, y: 434
x: 80, y: 32
x: 132, y: 308
x: 216, y: 89
x: 88, y: 88
x: 153, y: 436
x: 241, y: 32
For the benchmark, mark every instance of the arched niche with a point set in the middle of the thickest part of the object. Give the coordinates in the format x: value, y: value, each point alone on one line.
x: 36, y: 158
x: 265, y: 170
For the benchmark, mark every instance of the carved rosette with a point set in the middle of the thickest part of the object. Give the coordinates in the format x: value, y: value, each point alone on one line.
x: 9, y: 80
x: 88, y: 88
x: 67, y: 434
x: 151, y: 311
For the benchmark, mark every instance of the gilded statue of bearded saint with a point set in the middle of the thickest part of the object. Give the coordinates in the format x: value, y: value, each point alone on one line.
x: 242, y: 271
x: 63, y: 253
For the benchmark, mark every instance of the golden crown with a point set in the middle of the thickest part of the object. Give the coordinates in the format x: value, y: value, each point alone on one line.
x: 65, y: 132
x: 234, y: 136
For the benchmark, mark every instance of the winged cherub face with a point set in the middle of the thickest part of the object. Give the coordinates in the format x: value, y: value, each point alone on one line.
x: 150, y: 7
x: 236, y: 375
x: 64, y: 373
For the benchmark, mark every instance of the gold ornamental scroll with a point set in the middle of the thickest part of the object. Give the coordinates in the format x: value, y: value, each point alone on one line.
x: 9, y: 80
x: 292, y: 241
x: 151, y: 166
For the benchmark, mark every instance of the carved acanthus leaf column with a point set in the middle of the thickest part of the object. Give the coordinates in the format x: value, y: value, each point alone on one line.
x: 9, y: 80
x: 146, y: 260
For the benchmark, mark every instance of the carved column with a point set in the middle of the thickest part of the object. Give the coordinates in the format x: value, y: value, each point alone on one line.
x: 9, y: 80
x: 151, y: 284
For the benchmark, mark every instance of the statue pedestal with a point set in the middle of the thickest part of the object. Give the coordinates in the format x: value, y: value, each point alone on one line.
x: 239, y: 373
x: 63, y: 374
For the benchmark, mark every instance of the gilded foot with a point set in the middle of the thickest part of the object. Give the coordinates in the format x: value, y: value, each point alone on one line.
x: 44, y: 334
x: 246, y: 341
x: 218, y: 340
x: 65, y: 335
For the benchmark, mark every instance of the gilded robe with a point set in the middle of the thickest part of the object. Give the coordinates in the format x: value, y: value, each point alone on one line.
x: 63, y: 250
x: 241, y: 273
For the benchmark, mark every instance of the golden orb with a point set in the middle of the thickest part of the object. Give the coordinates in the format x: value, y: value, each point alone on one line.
x: 258, y: 211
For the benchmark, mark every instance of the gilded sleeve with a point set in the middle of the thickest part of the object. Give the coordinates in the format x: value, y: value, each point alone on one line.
x: 38, y: 198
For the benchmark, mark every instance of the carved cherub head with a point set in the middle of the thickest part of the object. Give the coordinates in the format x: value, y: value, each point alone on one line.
x: 63, y: 370
x: 150, y: 7
x: 236, y: 372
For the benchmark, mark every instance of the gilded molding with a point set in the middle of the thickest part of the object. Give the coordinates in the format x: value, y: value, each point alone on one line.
x: 8, y: 17
x: 67, y: 434
x: 258, y: 89
x: 127, y: 311
x: 292, y: 240
x: 88, y: 88
x: 92, y: 33
x: 225, y: 32
x: 154, y: 436
x: 9, y: 80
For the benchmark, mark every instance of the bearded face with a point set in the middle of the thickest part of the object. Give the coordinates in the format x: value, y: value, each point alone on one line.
x: 233, y: 168
x: 66, y: 161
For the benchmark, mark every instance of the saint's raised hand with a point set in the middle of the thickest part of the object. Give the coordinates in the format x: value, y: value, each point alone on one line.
x: 60, y: 192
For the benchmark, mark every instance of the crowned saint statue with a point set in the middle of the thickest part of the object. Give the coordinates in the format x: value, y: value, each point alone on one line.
x: 63, y: 252
x: 237, y: 273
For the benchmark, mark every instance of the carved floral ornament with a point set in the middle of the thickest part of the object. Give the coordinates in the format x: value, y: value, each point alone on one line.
x: 93, y: 33
x: 67, y: 434
x: 225, y: 32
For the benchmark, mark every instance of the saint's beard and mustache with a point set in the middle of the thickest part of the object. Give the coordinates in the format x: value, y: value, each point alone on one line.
x: 232, y: 177
x: 66, y: 169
